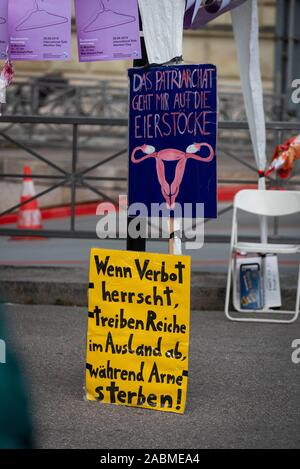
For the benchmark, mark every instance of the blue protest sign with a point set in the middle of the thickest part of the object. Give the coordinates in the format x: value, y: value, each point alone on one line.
x: 172, y: 136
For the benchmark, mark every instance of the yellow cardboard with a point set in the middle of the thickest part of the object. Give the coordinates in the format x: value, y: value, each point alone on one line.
x: 138, y: 329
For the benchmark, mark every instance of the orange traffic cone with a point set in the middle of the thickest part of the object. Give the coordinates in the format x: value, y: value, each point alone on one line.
x: 29, y: 216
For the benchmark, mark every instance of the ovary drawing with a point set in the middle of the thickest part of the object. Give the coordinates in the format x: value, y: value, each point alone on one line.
x: 40, y: 18
x: 105, y: 18
x: 171, y: 191
x: 2, y: 20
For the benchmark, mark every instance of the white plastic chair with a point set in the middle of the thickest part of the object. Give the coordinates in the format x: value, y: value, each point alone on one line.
x: 262, y: 203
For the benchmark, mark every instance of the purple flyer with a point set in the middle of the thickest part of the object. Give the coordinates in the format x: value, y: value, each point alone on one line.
x: 3, y: 28
x: 40, y: 29
x: 107, y: 30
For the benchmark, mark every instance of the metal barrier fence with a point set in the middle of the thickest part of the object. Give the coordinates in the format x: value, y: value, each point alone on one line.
x: 76, y: 178
x: 54, y: 95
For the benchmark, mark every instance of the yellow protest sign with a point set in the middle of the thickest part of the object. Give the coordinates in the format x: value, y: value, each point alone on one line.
x: 138, y: 329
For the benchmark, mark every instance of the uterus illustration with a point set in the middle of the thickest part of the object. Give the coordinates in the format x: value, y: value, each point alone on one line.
x: 171, y: 190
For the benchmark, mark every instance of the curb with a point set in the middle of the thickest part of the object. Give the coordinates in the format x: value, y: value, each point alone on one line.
x: 68, y: 287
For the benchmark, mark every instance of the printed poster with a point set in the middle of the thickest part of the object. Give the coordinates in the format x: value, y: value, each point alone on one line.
x: 3, y: 28
x: 172, y: 137
x: 138, y: 329
x: 40, y: 29
x: 107, y: 30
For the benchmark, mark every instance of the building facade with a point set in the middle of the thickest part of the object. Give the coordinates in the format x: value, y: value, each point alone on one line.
x: 214, y: 44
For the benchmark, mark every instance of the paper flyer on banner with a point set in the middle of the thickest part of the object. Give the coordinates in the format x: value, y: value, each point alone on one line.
x: 3, y: 28
x: 40, y: 29
x: 107, y: 30
x: 138, y: 329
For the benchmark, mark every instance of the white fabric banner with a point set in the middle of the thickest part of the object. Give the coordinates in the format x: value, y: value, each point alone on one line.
x: 163, y: 28
x: 246, y: 31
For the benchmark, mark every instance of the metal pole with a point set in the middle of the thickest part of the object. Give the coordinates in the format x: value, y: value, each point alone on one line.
x: 73, y: 180
x: 138, y: 244
x: 279, y: 60
x: 291, y: 40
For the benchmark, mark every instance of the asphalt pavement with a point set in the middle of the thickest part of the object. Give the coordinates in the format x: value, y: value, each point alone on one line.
x: 243, y: 386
